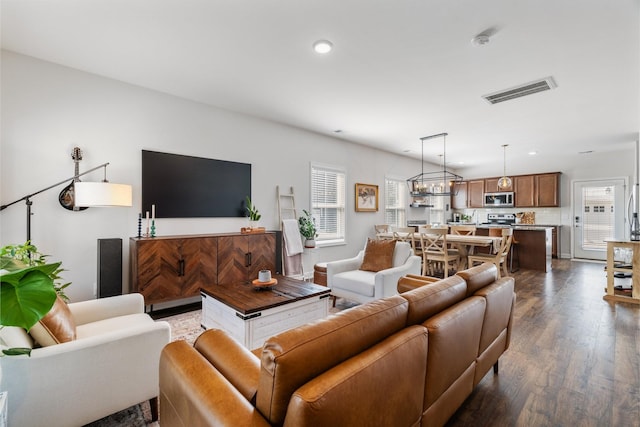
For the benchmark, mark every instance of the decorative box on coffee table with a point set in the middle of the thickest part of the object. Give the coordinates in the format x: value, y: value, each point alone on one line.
x: 252, y: 314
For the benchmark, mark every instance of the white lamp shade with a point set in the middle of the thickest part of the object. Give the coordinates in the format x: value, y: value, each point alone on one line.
x: 89, y: 194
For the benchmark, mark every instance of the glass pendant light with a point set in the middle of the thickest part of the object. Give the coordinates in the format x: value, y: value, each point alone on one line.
x: 505, y: 181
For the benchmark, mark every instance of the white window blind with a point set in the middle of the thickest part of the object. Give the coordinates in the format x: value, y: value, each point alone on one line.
x: 328, y: 203
x: 395, y: 202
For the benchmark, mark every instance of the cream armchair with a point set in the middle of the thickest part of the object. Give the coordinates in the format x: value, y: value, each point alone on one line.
x: 346, y: 280
x: 111, y: 365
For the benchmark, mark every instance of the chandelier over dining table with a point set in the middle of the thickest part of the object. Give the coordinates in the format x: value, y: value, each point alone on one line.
x: 439, y: 183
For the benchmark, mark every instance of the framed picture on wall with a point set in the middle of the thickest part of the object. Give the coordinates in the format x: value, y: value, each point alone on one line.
x: 366, y: 198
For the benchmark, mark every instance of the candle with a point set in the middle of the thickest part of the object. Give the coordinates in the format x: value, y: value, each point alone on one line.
x: 147, y: 222
x: 153, y: 212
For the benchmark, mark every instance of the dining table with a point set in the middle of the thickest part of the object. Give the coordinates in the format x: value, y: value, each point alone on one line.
x: 464, y: 243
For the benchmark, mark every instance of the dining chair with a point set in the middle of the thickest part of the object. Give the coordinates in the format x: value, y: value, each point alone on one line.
x: 500, y: 257
x: 436, y: 254
x: 464, y: 230
x: 381, y: 230
x: 405, y: 234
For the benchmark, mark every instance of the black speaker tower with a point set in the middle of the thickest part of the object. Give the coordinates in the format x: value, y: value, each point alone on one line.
x: 109, y: 267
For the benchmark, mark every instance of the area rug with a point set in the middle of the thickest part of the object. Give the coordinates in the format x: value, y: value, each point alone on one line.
x: 184, y: 326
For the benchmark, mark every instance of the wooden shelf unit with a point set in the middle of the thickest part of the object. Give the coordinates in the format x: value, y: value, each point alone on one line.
x: 613, y: 268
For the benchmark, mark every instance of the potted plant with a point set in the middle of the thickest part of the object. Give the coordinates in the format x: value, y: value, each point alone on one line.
x: 307, y: 225
x: 28, y: 288
x: 252, y: 211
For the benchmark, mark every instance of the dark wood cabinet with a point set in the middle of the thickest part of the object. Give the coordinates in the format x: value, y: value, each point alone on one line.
x: 240, y: 257
x: 459, y: 198
x: 475, y: 193
x: 491, y: 185
x: 542, y: 190
x: 548, y: 190
x: 524, y: 191
x: 169, y: 268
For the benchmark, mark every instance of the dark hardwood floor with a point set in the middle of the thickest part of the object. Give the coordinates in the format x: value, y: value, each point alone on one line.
x: 574, y: 359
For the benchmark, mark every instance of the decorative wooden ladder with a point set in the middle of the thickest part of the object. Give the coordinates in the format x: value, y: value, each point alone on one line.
x: 286, y: 210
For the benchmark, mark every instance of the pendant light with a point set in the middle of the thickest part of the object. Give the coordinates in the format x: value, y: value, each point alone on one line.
x: 438, y: 183
x: 505, y: 181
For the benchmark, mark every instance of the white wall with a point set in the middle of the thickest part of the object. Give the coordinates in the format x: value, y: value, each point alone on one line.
x: 48, y: 109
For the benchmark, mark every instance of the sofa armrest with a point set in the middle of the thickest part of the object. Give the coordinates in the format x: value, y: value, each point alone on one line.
x: 237, y: 364
x: 105, y: 308
x: 193, y: 392
x: 340, y: 266
x: 386, y: 281
x: 118, y: 369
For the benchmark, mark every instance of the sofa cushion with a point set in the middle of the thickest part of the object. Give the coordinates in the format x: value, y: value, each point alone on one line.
x: 56, y: 327
x: 401, y: 253
x: 427, y: 301
x: 294, y: 357
x: 112, y: 324
x: 378, y: 255
x: 358, y: 281
x: 479, y: 276
x: 389, y: 375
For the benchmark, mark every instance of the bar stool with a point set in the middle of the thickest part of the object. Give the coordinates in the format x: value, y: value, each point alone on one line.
x: 514, y: 251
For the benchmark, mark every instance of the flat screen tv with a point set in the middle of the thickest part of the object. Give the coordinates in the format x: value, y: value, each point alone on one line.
x: 191, y: 187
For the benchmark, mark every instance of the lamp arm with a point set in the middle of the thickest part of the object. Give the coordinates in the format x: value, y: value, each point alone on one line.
x: 28, y: 196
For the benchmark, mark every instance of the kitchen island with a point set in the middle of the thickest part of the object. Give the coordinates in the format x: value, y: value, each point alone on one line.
x: 534, y: 245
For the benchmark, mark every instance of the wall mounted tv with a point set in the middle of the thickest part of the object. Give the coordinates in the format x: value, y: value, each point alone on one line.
x: 193, y: 187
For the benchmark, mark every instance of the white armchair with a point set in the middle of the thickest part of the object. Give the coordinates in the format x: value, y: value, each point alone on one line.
x: 111, y: 365
x: 346, y: 280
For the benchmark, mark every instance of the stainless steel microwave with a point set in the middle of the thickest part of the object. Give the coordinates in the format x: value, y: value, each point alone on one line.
x: 498, y: 199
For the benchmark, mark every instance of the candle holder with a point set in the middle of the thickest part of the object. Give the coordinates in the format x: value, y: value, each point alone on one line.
x: 153, y: 228
x: 139, y: 226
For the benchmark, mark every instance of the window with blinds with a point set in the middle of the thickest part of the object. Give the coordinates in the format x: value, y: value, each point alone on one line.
x: 395, y: 202
x: 328, y: 203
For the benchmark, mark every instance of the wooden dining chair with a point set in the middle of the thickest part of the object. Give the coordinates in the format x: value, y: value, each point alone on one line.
x: 436, y: 255
x: 405, y: 234
x: 381, y: 230
x: 500, y: 257
x: 464, y: 230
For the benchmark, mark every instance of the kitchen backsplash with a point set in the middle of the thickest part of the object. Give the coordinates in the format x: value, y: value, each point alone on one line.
x: 544, y: 216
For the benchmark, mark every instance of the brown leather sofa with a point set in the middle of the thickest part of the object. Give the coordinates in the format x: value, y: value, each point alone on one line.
x: 406, y: 360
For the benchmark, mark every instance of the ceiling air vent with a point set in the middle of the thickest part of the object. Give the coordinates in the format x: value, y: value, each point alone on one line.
x: 522, y: 90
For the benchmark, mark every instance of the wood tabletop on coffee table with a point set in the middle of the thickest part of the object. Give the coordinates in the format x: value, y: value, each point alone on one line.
x: 246, y: 298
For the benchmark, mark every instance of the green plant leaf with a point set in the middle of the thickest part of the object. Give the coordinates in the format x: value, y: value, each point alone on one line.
x: 26, y: 295
x: 17, y: 351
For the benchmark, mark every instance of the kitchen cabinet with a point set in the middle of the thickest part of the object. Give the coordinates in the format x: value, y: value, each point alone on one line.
x: 491, y: 186
x: 475, y: 193
x: 524, y: 191
x: 170, y: 268
x: 548, y: 189
x: 459, y: 199
x: 542, y: 190
x: 240, y: 257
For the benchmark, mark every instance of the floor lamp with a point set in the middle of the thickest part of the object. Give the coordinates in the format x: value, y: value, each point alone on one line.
x: 87, y: 194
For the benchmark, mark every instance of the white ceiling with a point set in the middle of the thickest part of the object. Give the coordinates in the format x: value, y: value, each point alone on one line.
x: 400, y: 69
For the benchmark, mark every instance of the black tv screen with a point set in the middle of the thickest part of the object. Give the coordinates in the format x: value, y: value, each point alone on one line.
x: 190, y: 187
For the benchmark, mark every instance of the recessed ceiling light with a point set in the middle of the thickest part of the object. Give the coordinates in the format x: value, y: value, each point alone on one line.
x: 337, y: 131
x: 323, y: 46
x: 532, y: 153
x: 585, y: 152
